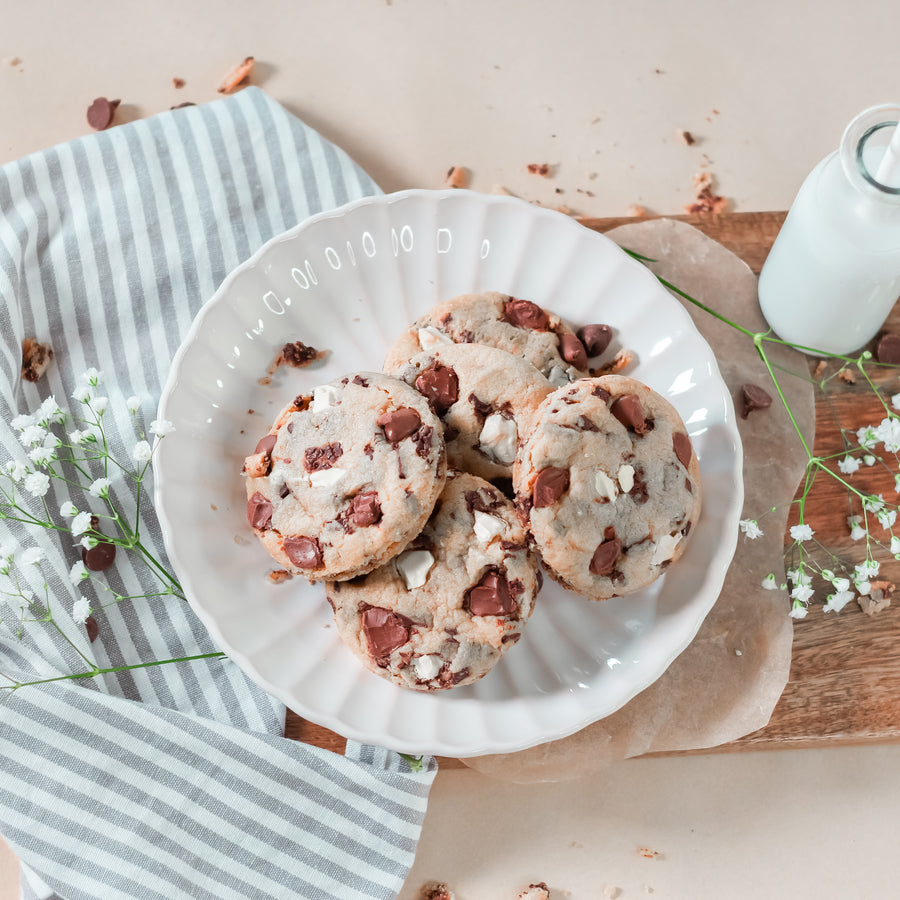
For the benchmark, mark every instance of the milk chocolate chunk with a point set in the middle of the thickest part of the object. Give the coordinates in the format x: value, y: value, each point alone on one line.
x: 491, y: 596
x: 399, y: 423
x: 681, y: 444
x: 100, y: 557
x: 600, y: 392
x: 572, y: 351
x: 299, y: 355
x: 423, y: 439
x: 526, y: 314
x: 266, y: 443
x: 888, y: 349
x: 481, y: 408
x: 93, y: 629
x: 439, y: 385
x: 365, y: 509
x: 385, y: 631
x: 596, y: 338
x: 304, y: 552
x: 100, y: 113
x: 317, y: 458
x: 259, y: 512
x: 628, y: 410
x: 550, y: 484
x: 753, y: 397
x: 603, y: 562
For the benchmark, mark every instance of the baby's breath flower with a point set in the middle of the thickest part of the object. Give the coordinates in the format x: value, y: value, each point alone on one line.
x: 133, y: 403
x: 889, y: 433
x: 887, y: 518
x: 81, y: 609
x: 92, y: 377
x: 838, y: 600
x: 750, y: 528
x: 99, y: 488
x: 142, y: 452
x: 98, y: 405
x: 856, y: 529
x: 67, y: 510
x: 895, y: 544
x: 801, y: 532
x: 81, y: 523
x: 48, y: 412
x: 848, y: 465
x: 802, y: 593
x: 161, y: 427
x: 869, y: 460
x: 89, y: 542
x: 41, y: 456
x: 20, y: 423
x: 32, y: 435
x: 37, y: 484
x: 76, y: 437
x: 895, y: 401
x: 798, y: 610
x: 82, y: 394
x: 867, y: 569
x: 897, y: 484
x: 799, y: 578
x: 51, y: 441
x: 867, y: 437
x: 16, y: 470
x: 873, y: 503
x: 78, y: 572
x: 769, y: 582
x: 33, y: 556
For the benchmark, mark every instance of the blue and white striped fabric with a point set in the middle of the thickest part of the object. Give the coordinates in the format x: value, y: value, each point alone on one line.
x: 171, y: 781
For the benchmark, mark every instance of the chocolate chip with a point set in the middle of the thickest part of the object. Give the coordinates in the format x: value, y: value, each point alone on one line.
x: 399, y: 423
x: 100, y: 557
x: 476, y: 502
x: 298, y: 354
x: 573, y: 351
x: 440, y: 387
x: 362, y: 382
x: 423, y: 441
x: 266, y: 444
x: 369, y: 450
x: 93, y: 629
x: 315, y: 459
x: 259, y: 512
x: 596, y: 338
x: 466, y: 337
x: 385, y: 631
x: 490, y: 596
x: 284, y: 491
x: 304, y: 552
x: 600, y: 392
x: 586, y: 424
x: 604, y: 559
x: 100, y: 113
x: 681, y: 444
x: 550, y: 484
x: 365, y: 509
x: 753, y: 397
x: 526, y: 314
x: 888, y: 349
x: 639, y: 492
x: 481, y: 408
x: 628, y: 410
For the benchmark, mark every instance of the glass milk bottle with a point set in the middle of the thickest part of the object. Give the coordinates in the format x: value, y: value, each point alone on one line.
x: 833, y: 274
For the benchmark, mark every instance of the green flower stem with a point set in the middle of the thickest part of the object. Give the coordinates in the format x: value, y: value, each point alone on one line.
x: 95, y: 671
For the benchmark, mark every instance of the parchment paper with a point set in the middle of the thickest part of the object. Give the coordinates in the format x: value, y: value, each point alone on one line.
x: 727, y: 682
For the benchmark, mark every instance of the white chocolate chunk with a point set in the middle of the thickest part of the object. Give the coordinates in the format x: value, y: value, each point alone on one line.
x: 430, y: 337
x: 605, y: 486
x: 324, y: 397
x: 558, y: 377
x: 500, y: 437
x: 665, y: 547
x: 326, y: 477
x: 487, y: 527
x: 427, y: 667
x: 626, y: 478
x: 413, y: 567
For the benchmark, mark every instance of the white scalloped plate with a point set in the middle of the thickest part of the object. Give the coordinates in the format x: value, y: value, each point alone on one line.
x: 350, y: 281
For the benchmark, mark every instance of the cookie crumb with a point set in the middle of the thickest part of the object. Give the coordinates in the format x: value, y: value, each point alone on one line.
x: 610, y: 891
x: 638, y: 212
x: 456, y: 177
x: 878, y: 598
x: 536, y: 891
x: 820, y: 368
x: 237, y: 76
x: 36, y: 358
x: 847, y: 376
x: 686, y: 138
x: 539, y: 169
x: 705, y: 200
x: 178, y: 83
x: 620, y: 361
x: 297, y: 355
x: 279, y: 576
x: 435, y: 890
x: 647, y: 853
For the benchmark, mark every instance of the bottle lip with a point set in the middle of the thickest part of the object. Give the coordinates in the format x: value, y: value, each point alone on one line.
x: 869, y: 124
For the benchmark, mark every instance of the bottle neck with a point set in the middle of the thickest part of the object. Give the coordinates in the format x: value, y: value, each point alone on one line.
x: 863, y: 147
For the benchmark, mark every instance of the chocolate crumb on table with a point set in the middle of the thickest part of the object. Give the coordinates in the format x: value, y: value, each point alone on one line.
x: 705, y: 200
x: 539, y: 169
x: 238, y: 76
x: 535, y: 891
x: 101, y: 112
x: 456, y: 177
x: 686, y: 138
x: 878, y: 598
x: 753, y: 397
x: 36, y: 358
x: 435, y: 890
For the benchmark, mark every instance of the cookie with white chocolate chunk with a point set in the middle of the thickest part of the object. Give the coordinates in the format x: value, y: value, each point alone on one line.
x: 346, y: 476
x: 453, y: 602
x: 485, y: 398
x: 609, y: 484
x: 513, y: 324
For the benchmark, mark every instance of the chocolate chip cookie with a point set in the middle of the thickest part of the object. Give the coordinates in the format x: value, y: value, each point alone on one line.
x: 453, y: 602
x: 346, y: 476
x: 517, y: 326
x: 609, y: 484
x: 486, y: 399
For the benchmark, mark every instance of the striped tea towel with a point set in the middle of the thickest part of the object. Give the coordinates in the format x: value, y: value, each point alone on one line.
x: 173, y: 781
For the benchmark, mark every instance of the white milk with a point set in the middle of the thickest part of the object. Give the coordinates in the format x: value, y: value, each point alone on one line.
x: 833, y: 274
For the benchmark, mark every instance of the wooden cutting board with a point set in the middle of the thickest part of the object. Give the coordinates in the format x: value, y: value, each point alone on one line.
x: 845, y: 668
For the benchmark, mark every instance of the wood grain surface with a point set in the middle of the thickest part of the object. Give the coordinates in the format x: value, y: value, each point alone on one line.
x: 845, y: 667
